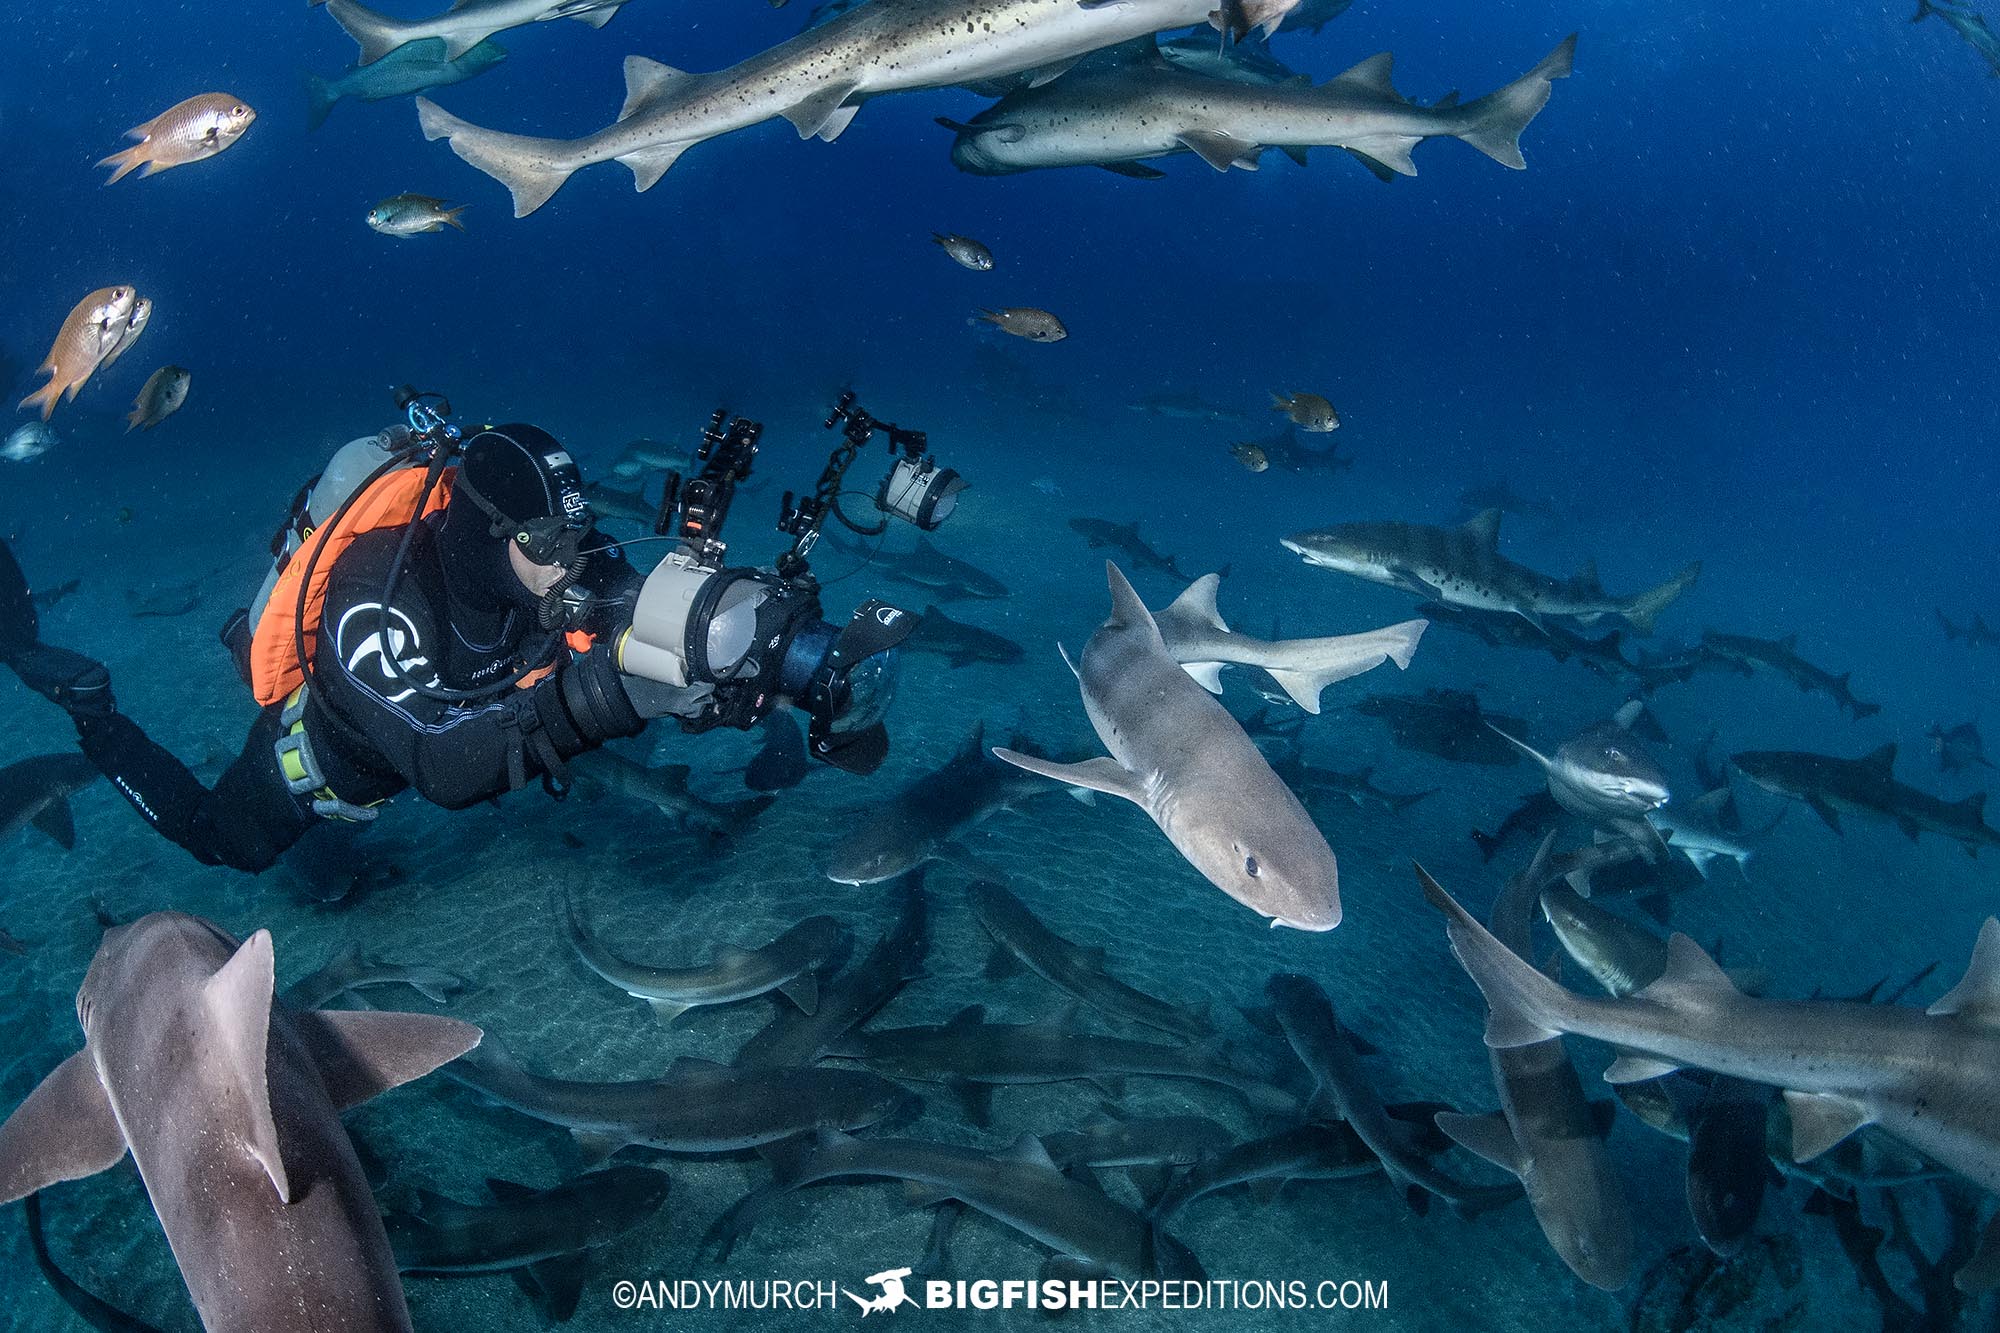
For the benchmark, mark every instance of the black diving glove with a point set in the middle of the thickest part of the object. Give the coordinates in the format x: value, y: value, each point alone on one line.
x: 79, y: 685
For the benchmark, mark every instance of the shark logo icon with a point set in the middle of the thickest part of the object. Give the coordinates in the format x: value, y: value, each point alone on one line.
x: 890, y: 1280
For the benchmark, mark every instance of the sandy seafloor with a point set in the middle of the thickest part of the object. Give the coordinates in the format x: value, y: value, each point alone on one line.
x: 474, y: 887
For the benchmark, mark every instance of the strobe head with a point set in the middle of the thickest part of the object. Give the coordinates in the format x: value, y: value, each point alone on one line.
x: 918, y: 491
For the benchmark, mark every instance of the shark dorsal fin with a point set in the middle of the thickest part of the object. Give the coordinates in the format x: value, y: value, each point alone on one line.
x: 647, y: 83
x: 1371, y: 75
x: 1198, y: 602
x: 1976, y: 997
x: 1030, y: 1150
x: 1126, y: 608
x: 1790, y: 643
x: 237, y: 1000
x: 1484, y: 528
x: 1587, y: 576
x: 1628, y: 713
x: 1883, y: 760
x: 1691, y: 975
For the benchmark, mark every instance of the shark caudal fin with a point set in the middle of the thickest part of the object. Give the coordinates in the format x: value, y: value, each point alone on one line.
x: 20, y: 627
x: 528, y: 167
x: 1648, y: 605
x: 1497, y: 119
x: 376, y: 34
x: 1525, y: 1006
x: 320, y: 101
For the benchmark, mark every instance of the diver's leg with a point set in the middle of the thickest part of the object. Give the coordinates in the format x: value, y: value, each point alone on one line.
x: 245, y: 823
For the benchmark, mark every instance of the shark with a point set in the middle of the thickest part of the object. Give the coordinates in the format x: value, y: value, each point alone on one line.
x: 1178, y: 755
x: 1319, y: 1150
x: 1700, y: 831
x: 229, y: 1104
x: 960, y: 644
x: 1101, y: 534
x: 35, y: 793
x: 1829, y: 785
x: 787, y: 965
x: 1462, y: 566
x: 1200, y: 640
x: 350, y: 970
x: 1976, y: 632
x: 1602, y: 776
x: 924, y: 822
x: 542, y: 1235
x: 697, y: 1106
x: 1021, y: 1188
x: 1447, y: 723
x: 1345, y: 1093
x: 1020, y: 936
x: 666, y: 789
x: 945, y: 577
x: 1547, y: 1133
x: 462, y: 28
x: 414, y: 67
x: 818, y: 79
x: 1956, y: 747
x: 794, y: 1038
x: 1922, y: 1076
x: 1970, y: 27
x: 1132, y: 105
x: 1782, y: 656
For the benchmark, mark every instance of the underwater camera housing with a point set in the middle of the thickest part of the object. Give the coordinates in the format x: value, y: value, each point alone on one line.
x: 759, y: 636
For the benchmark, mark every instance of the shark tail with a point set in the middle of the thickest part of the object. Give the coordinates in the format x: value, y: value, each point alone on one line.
x: 320, y: 100
x: 1525, y: 1006
x: 1647, y: 605
x: 1497, y: 119
x: 376, y: 34
x: 530, y: 168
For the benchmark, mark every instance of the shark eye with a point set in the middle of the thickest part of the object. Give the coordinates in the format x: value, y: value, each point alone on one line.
x: 1250, y: 866
x: 1615, y: 755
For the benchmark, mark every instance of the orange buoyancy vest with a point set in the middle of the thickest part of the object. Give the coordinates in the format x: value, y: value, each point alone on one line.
x: 389, y: 502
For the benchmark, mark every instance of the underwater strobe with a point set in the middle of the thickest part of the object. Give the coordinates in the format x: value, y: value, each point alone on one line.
x: 758, y: 636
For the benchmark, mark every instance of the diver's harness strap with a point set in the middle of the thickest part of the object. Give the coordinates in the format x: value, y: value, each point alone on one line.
x: 521, y: 717
x: 302, y: 773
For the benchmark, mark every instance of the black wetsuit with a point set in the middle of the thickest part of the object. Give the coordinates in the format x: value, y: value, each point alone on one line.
x: 371, y: 733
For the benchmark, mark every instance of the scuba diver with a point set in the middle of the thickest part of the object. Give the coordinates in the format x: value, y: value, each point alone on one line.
x: 443, y: 616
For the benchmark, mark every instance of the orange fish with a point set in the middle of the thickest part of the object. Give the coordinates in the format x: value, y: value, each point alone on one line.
x: 97, y: 325
x: 200, y: 127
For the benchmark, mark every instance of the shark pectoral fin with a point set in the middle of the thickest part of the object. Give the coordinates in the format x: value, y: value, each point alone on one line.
x: 56, y: 821
x: 1632, y: 1068
x: 364, y: 1052
x: 1828, y: 815
x: 1525, y: 749
x: 1488, y: 1136
x: 555, y: 1286
x: 1296, y: 152
x: 647, y: 83
x: 238, y: 1001
x: 1702, y: 859
x: 810, y: 116
x: 667, y: 1011
x: 649, y: 164
x: 1069, y: 661
x: 596, y: 16
x: 1819, y: 1121
x: 65, y: 1130
x: 1002, y: 963
x: 1219, y: 150
x: 1049, y: 73
x: 1103, y: 774
x: 803, y: 991
x: 1208, y: 675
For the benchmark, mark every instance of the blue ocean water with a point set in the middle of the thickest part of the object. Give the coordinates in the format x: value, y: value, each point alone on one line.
x: 1740, y: 307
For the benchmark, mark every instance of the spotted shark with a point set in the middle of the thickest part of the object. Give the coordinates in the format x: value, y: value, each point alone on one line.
x: 461, y: 28
x: 229, y: 1104
x: 1829, y: 785
x: 1462, y: 566
x: 818, y: 79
